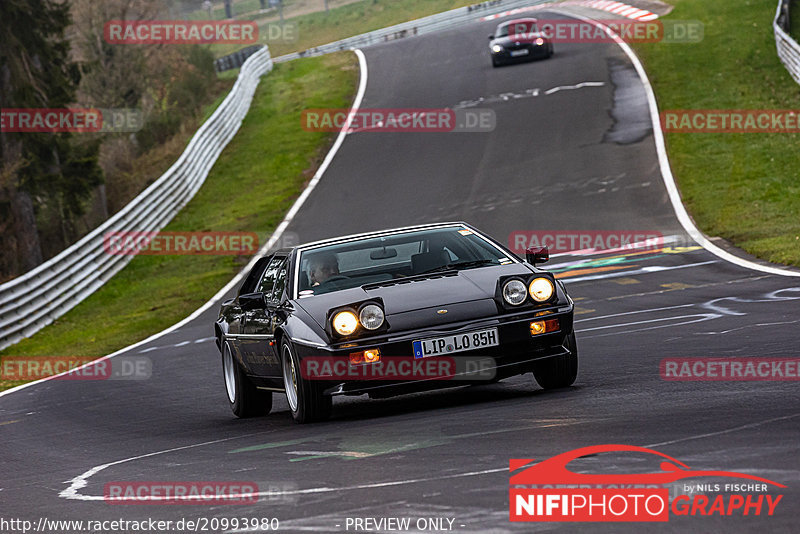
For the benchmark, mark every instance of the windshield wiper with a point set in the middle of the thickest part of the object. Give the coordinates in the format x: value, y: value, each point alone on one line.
x: 460, y: 265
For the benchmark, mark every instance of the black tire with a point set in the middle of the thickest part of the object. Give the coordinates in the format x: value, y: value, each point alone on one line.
x: 245, y: 399
x: 561, y: 371
x: 495, y: 63
x: 305, y: 398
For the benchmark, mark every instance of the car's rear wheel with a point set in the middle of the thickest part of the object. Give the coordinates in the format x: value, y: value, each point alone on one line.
x: 305, y: 398
x: 245, y: 399
x: 561, y: 371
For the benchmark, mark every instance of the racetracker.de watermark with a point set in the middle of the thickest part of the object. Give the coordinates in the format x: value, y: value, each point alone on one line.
x: 399, y: 120
x: 629, y: 30
x: 396, y: 368
x: 730, y: 369
x: 75, y: 368
x: 74, y: 120
x: 180, y: 31
x: 181, y: 492
x: 280, y: 33
x: 560, y: 241
x: 181, y: 243
x: 731, y: 120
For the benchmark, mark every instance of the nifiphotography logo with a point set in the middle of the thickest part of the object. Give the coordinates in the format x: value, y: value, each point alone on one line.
x: 550, y: 491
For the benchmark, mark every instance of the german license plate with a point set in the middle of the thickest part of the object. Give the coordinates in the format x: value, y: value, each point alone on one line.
x: 523, y: 52
x: 437, y: 346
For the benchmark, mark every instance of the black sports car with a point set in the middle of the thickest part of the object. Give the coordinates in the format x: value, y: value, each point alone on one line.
x: 392, y: 312
x: 519, y: 40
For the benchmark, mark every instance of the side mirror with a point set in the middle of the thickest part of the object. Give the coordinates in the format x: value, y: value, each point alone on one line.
x: 252, y: 301
x: 491, y: 37
x: 536, y: 255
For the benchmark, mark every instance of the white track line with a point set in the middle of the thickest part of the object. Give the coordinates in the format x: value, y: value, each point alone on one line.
x: 80, y: 481
x: 726, y: 431
x: 276, y: 235
x: 643, y: 270
x: 666, y: 171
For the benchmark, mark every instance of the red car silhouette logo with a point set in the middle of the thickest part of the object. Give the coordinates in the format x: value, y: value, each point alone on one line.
x: 554, y: 470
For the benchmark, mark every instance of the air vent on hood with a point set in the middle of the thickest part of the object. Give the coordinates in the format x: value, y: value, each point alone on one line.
x: 409, y: 279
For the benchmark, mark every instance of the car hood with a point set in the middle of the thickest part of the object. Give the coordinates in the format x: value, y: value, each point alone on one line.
x: 401, y: 299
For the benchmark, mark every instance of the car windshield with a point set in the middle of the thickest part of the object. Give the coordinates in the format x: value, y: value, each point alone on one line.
x: 351, y: 264
x: 516, y: 28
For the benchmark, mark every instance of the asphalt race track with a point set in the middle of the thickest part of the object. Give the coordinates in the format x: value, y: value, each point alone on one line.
x: 573, y: 158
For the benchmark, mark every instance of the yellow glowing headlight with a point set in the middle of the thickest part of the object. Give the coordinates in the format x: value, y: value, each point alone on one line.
x: 345, y: 323
x: 538, y: 327
x: 541, y: 289
x: 542, y: 327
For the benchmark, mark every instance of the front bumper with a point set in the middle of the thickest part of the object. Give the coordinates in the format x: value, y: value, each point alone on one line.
x: 517, y: 353
x: 534, y: 52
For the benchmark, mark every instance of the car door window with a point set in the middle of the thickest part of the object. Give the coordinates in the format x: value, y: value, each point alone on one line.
x: 280, y: 282
x: 267, y: 281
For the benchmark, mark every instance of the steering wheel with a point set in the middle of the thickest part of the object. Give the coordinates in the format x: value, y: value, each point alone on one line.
x: 336, y: 278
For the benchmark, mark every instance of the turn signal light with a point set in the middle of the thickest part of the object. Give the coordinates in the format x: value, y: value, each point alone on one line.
x: 543, y: 327
x: 365, y: 356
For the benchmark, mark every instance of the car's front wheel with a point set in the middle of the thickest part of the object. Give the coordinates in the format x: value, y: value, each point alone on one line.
x: 245, y: 399
x: 561, y: 371
x: 305, y: 398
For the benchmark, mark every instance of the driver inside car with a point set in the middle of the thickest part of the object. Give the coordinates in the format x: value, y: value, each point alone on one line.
x: 321, y: 268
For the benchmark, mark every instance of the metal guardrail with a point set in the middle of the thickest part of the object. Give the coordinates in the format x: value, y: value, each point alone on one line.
x: 33, y: 300
x: 788, y: 48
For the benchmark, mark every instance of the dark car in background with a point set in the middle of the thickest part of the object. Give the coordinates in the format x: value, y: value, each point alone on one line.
x: 344, y: 316
x: 519, y: 40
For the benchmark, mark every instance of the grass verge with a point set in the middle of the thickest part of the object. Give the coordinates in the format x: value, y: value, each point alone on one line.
x: 315, y: 29
x: 145, y: 169
x: 743, y: 187
x: 254, y: 182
